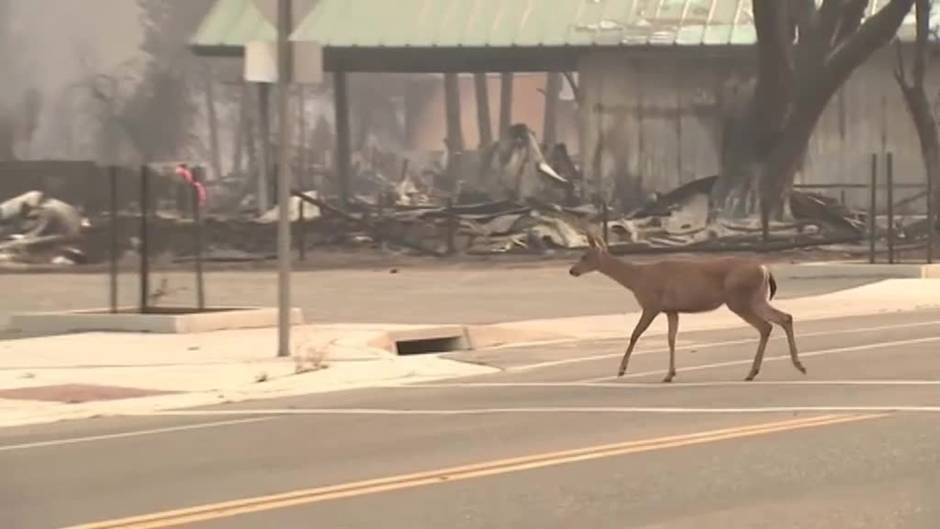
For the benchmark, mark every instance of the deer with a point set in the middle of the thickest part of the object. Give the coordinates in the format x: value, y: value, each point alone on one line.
x: 676, y: 287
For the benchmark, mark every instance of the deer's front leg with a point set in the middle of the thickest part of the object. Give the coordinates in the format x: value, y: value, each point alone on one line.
x: 645, y: 319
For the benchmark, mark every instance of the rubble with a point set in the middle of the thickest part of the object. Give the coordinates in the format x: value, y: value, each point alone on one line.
x: 310, y: 211
x: 514, y: 196
x: 39, y: 229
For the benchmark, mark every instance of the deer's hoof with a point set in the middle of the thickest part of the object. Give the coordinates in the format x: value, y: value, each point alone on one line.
x: 750, y: 376
x: 801, y: 368
x: 669, y: 378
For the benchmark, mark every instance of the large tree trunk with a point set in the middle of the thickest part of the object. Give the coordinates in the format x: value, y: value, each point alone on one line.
x: 805, y: 54
x: 918, y: 105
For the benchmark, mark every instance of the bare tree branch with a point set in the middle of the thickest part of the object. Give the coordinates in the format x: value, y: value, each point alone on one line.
x: 807, y: 48
x: 899, y: 71
x: 852, y: 14
x: 877, y: 31
x: 920, y: 45
x: 830, y: 15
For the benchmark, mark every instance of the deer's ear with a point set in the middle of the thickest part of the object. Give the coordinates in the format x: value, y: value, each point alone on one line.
x: 592, y: 242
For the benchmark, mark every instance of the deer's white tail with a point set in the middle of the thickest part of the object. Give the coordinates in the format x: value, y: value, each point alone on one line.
x: 771, y: 282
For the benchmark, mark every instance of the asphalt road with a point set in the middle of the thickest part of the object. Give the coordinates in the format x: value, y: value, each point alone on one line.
x: 551, y: 441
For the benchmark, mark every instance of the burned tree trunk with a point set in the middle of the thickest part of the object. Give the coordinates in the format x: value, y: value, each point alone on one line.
x: 915, y: 98
x: 805, y: 53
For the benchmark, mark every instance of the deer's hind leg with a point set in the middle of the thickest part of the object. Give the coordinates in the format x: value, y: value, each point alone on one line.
x: 768, y: 312
x: 673, y: 330
x: 764, y: 328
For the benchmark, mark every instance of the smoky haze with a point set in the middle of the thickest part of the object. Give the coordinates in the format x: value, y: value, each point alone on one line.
x: 71, y: 70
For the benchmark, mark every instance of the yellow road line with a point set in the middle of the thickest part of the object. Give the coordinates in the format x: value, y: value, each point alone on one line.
x: 226, y: 509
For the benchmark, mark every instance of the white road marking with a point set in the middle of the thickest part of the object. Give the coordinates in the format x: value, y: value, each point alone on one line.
x: 674, y: 385
x: 135, y: 433
x: 553, y: 409
x: 749, y: 361
x: 708, y: 345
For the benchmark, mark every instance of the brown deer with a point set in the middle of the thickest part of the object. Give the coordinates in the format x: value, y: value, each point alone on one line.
x: 690, y: 286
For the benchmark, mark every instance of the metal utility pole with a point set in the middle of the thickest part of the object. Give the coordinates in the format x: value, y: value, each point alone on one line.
x: 284, y: 62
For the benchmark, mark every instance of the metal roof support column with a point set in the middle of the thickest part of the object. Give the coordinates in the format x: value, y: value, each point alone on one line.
x: 454, y: 140
x: 550, y: 116
x: 505, y: 103
x: 264, y: 175
x: 483, y: 109
x: 341, y: 95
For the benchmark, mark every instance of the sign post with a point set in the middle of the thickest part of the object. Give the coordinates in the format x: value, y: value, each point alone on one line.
x: 270, y: 62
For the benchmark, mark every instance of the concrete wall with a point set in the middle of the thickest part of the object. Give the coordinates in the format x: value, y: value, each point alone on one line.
x: 639, y: 103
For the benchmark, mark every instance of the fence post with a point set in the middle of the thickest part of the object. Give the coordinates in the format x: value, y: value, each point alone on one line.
x: 144, y: 239
x: 197, y: 173
x: 930, y: 219
x: 872, y: 208
x: 381, y: 203
x: 451, y: 228
x: 301, y: 231
x: 889, y: 180
x: 113, y: 270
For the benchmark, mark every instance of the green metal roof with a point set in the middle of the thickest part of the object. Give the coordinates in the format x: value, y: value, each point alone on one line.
x: 502, y: 23
x: 232, y: 23
x: 533, y: 23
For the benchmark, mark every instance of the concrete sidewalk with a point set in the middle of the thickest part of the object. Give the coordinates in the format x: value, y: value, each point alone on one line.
x: 86, y: 375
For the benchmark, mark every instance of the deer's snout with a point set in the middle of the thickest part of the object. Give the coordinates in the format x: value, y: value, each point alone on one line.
x: 574, y: 272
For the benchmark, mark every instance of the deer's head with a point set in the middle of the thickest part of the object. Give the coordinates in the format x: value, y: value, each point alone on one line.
x: 591, y: 260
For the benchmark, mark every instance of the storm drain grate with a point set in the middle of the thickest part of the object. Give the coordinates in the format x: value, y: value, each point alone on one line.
x: 419, y: 346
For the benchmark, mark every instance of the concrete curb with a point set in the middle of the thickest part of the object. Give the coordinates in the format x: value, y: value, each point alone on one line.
x: 173, y: 320
x: 829, y: 270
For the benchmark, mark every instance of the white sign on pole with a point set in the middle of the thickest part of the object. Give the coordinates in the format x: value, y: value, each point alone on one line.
x: 261, y: 61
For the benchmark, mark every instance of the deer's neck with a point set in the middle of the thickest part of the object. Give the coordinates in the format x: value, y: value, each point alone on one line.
x: 619, y: 271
